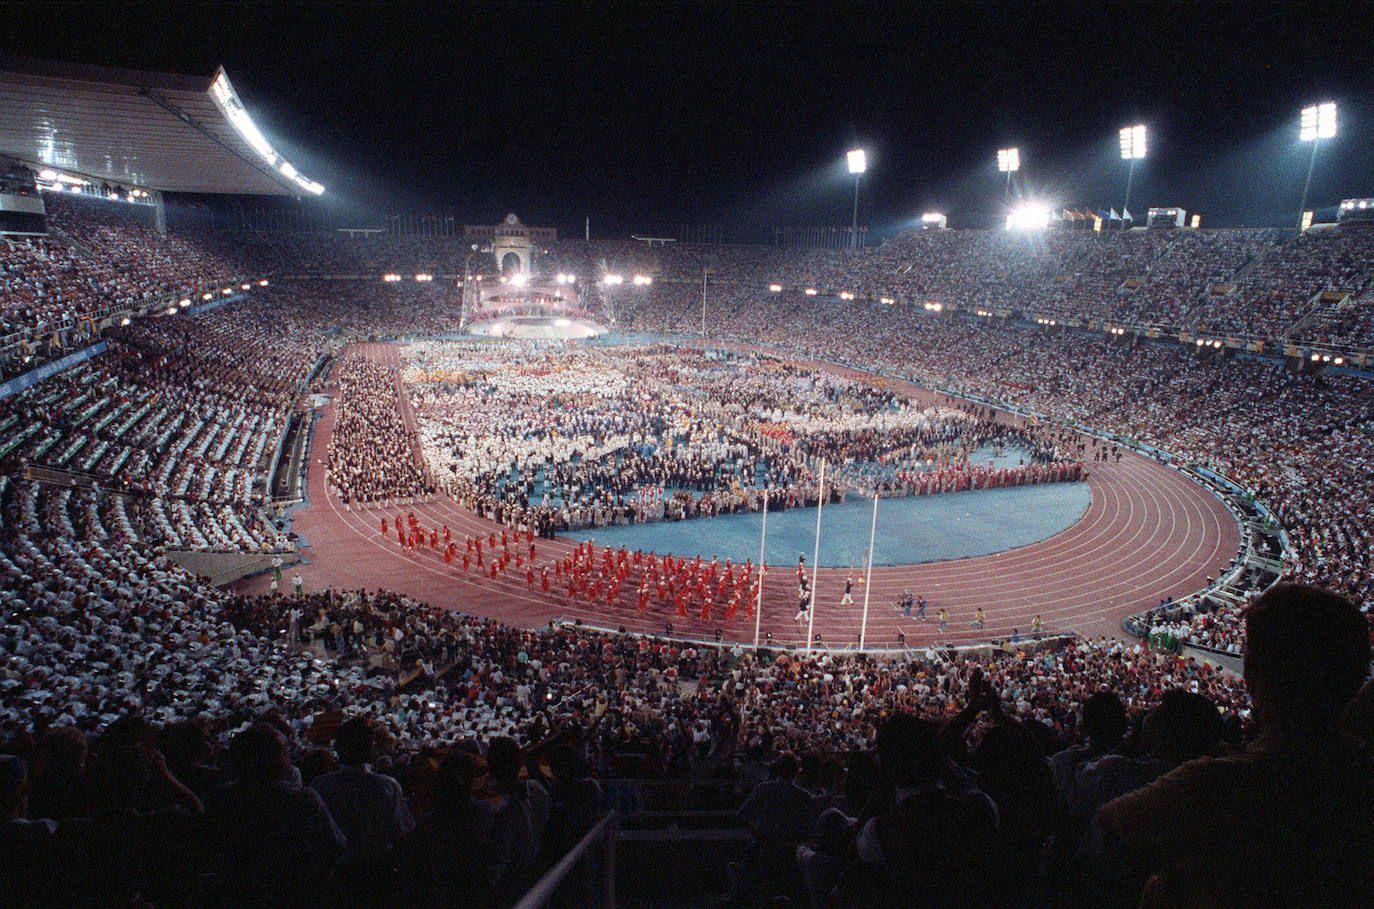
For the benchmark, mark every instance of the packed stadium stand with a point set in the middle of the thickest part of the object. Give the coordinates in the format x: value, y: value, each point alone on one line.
x: 166, y: 740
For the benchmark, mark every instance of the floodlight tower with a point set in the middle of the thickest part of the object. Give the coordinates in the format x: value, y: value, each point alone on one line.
x: 1132, y: 150
x: 858, y: 163
x: 1318, y: 122
x: 1008, y: 162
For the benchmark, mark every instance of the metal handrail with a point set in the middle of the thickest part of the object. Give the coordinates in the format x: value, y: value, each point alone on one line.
x: 544, y: 889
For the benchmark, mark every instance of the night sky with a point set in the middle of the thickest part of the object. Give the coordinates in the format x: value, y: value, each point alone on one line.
x: 647, y: 115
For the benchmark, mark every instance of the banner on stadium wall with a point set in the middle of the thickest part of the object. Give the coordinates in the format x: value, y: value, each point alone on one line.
x: 214, y: 304
x: 48, y: 370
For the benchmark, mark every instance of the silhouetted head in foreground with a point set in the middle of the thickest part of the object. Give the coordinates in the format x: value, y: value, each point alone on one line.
x: 1306, y: 656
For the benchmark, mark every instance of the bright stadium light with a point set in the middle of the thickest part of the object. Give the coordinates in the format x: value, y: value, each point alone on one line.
x: 1132, y: 142
x: 1031, y: 216
x: 1318, y: 122
x: 643, y: 280
x: 858, y: 165
x: 227, y: 100
x: 810, y: 291
x: 1008, y: 162
x: 775, y: 288
x: 1133, y: 148
x: 614, y: 279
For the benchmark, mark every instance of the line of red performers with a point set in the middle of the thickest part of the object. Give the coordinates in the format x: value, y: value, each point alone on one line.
x: 511, y: 549
x: 707, y: 588
x: 688, y: 585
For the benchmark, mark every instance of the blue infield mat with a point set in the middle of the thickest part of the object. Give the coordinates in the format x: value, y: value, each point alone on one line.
x: 910, y: 530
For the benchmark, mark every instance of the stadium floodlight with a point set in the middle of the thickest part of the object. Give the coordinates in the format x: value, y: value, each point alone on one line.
x: 1132, y: 142
x: 1030, y: 216
x: 613, y: 279
x: 1008, y: 162
x: 227, y: 100
x: 1133, y: 148
x: 775, y: 288
x: 1318, y: 122
x: 811, y: 291
x: 643, y: 280
x: 858, y: 165
x: 262, y: 283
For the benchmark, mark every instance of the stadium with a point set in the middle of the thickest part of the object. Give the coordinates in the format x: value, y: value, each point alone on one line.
x: 377, y: 556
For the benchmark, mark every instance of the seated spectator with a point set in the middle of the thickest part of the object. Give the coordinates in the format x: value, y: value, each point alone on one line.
x: 369, y: 808
x: 522, y: 813
x: 935, y: 844
x: 449, y: 861
x: 1104, y: 721
x: 1291, y: 821
x: 272, y: 842
x: 24, y: 844
x: 780, y: 814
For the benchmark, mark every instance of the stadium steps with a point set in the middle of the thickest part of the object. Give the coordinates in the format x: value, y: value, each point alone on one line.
x: 1318, y: 308
x: 68, y: 479
x: 70, y: 243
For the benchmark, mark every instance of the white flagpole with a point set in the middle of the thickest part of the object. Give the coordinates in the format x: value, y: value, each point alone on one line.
x: 758, y: 605
x: 815, y: 559
x: 868, y: 581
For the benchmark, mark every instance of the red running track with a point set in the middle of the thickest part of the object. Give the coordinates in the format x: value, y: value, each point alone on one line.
x: 1149, y: 532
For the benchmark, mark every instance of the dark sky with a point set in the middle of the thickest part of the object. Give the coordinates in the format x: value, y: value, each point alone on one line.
x: 647, y: 115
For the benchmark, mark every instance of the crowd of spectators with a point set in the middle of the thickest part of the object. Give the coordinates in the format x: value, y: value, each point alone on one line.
x: 372, y: 455
x: 200, y: 771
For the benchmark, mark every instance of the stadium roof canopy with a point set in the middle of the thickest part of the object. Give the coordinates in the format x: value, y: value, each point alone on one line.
x: 151, y: 130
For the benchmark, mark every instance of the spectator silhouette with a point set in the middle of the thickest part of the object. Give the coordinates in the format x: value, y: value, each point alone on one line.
x: 272, y: 842
x: 1291, y: 821
x: 937, y: 844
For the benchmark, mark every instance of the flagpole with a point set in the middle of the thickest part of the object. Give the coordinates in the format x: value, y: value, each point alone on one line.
x: 763, y: 536
x: 815, y: 559
x: 868, y: 581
